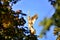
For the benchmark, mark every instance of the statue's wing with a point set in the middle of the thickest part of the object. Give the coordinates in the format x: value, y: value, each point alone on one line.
x: 34, y: 18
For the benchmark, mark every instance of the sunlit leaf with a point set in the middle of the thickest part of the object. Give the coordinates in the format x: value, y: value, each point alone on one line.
x: 46, y: 23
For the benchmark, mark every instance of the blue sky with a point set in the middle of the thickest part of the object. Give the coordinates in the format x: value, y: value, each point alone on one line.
x: 43, y: 8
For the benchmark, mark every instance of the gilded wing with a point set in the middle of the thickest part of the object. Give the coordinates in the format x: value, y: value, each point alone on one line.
x: 34, y: 18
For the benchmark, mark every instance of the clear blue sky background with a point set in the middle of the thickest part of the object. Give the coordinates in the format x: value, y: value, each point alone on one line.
x: 43, y: 8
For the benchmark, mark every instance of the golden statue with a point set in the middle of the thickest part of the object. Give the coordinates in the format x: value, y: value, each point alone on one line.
x: 31, y: 21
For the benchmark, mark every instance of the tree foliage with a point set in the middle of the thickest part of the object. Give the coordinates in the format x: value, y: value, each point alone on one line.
x: 54, y: 20
x: 9, y: 22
